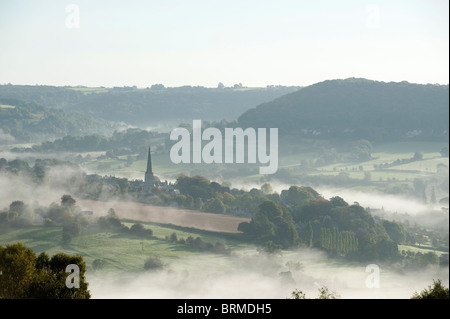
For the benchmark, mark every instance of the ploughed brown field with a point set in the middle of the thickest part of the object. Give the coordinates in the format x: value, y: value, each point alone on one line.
x: 165, y: 215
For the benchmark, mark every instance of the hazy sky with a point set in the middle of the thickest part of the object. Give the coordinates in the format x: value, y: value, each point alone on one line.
x: 204, y: 42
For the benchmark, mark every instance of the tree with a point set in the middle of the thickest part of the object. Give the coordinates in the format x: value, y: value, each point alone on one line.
x: 17, y: 266
x: 98, y: 264
x: 338, y: 201
x: 395, y: 231
x: 71, y: 230
x: 17, y: 206
x: 153, y: 263
x: 51, y: 278
x: 139, y: 230
x: 157, y: 87
x: 435, y: 291
x: 274, y: 223
x: 215, y: 205
x: 386, y: 248
x: 196, y: 186
x: 19, y: 213
x: 300, y: 195
x: 267, y: 189
x: 173, y: 237
x: 23, y: 275
x: 247, y: 228
x: 68, y: 201
x: 298, y: 294
x: 324, y: 293
x: 123, y: 185
x: 271, y: 248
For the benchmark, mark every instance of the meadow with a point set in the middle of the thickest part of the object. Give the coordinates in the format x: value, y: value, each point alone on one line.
x: 118, y: 251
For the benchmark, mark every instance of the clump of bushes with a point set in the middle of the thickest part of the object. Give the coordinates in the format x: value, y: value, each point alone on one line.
x: 153, y: 263
x: 199, y: 244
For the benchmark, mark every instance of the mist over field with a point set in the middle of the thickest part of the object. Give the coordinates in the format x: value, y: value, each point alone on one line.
x: 369, y: 199
x: 59, y: 180
x: 248, y: 274
x: 374, y: 200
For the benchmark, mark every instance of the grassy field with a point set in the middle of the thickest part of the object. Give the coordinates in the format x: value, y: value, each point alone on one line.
x: 119, y: 251
x: 424, y: 249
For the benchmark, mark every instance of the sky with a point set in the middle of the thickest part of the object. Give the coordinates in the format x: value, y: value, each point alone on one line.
x: 204, y: 42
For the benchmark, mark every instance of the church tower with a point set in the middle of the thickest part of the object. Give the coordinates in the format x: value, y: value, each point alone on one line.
x: 149, y: 177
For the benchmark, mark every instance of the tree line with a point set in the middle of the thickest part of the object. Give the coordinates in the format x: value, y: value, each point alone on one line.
x: 147, y: 106
x: 302, y: 217
x: 434, y: 291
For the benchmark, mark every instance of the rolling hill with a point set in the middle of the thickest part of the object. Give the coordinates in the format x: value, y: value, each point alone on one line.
x: 358, y: 109
x: 145, y: 107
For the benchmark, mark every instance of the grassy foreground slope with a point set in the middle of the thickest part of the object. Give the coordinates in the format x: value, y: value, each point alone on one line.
x: 118, y: 251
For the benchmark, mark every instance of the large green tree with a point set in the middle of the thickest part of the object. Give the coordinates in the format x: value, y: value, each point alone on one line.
x: 23, y: 275
x: 274, y: 223
x: 17, y: 267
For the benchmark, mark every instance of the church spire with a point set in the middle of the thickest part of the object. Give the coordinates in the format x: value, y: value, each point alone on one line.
x: 149, y: 161
x: 149, y: 178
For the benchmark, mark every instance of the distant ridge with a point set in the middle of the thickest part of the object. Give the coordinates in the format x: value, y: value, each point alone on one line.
x: 149, y: 106
x: 358, y: 108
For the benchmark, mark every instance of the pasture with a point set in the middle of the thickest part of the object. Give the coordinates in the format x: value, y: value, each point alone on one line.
x: 118, y: 251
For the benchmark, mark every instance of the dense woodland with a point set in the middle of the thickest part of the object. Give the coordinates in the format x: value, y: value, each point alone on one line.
x: 358, y: 108
x: 24, y: 122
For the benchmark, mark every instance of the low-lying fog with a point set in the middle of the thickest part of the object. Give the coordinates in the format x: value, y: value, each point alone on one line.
x: 246, y: 274
x: 251, y: 275
x: 374, y: 200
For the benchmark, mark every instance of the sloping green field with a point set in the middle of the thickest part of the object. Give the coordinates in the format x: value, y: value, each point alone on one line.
x: 119, y: 251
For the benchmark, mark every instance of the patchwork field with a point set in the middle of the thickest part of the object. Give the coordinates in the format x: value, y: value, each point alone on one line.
x: 167, y: 215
